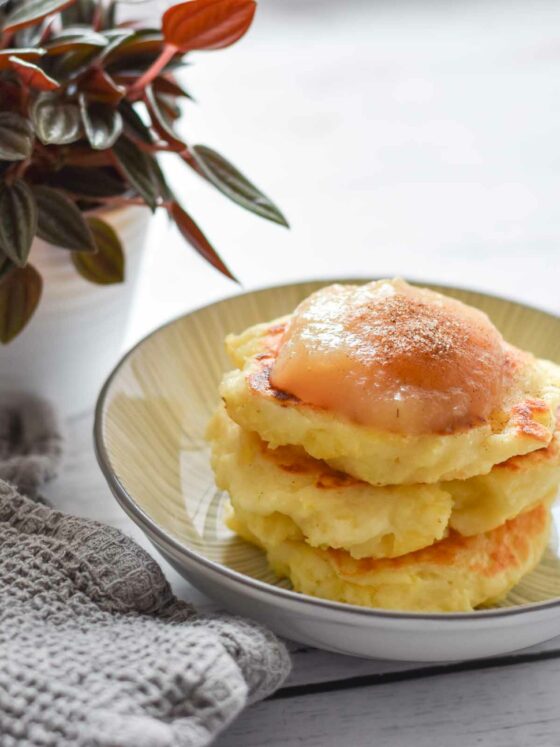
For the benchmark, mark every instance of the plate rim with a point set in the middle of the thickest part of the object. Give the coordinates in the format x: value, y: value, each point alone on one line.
x: 149, y: 525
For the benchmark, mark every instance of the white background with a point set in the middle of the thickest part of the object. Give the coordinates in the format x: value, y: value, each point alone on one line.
x: 410, y: 138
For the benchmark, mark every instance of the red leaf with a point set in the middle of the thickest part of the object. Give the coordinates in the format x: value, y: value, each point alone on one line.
x: 192, y: 233
x: 168, y: 85
x: 32, y: 75
x: 22, y: 54
x: 101, y: 87
x: 207, y: 24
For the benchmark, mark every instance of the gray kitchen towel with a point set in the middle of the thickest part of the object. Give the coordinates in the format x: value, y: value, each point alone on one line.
x: 95, y: 650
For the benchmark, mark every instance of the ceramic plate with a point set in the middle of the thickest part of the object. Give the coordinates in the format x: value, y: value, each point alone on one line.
x: 150, y: 423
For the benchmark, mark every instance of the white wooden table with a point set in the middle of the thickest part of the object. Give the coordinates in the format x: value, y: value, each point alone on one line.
x: 420, y: 139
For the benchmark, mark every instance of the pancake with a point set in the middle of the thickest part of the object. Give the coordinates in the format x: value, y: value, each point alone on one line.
x: 326, y: 507
x: 486, y: 501
x: 312, y: 501
x: 524, y: 421
x: 456, y: 574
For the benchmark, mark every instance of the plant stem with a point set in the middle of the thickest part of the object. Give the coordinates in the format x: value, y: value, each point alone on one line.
x: 20, y: 168
x: 166, y: 55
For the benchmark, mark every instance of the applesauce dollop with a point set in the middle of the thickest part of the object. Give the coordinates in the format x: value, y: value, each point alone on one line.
x: 393, y: 356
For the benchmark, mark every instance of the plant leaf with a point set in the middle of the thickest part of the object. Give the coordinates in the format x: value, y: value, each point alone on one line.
x: 29, y: 12
x: 72, y: 64
x: 170, y: 87
x: 72, y: 38
x: 32, y: 75
x: 18, y: 220
x: 137, y: 44
x: 207, y: 24
x: 80, y: 12
x: 60, y: 222
x: 192, y: 233
x: 102, y: 123
x: 20, y: 292
x: 6, y: 265
x: 115, y: 38
x: 163, y: 188
x: 55, y: 120
x: 159, y: 120
x: 28, y: 37
x: 119, y: 32
x: 106, y: 265
x: 168, y: 106
x: 231, y: 182
x: 138, y: 169
x: 134, y: 122
x: 110, y: 19
x: 22, y: 54
x: 87, y: 182
x: 16, y: 137
x: 99, y: 86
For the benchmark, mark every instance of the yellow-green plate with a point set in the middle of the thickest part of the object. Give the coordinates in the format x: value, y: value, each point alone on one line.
x: 150, y: 423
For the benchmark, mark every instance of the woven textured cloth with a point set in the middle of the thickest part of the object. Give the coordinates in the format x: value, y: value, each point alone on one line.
x: 94, y: 648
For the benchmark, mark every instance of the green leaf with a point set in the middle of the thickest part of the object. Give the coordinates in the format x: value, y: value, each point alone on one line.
x: 103, y: 124
x: 168, y: 106
x: 28, y: 12
x: 143, y: 43
x: 160, y: 122
x: 72, y: 64
x: 137, y: 166
x: 60, y: 222
x: 87, y: 182
x: 134, y: 123
x: 18, y: 221
x: 106, y: 265
x: 20, y: 292
x: 75, y: 37
x: 80, y: 13
x: 234, y: 185
x: 28, y: 36
x: 163, y: 188
x: 192, y: 233
x: 16, y: 137
x: 6, y: 265
x: 56, y: 121
x: 115, y: 37
x: 111, y: 14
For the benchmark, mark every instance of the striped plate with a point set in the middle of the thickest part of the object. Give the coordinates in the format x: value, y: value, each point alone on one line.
x: 151, y: 418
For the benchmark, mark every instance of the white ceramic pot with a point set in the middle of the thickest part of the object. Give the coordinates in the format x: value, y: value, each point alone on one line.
x: 76, y: 334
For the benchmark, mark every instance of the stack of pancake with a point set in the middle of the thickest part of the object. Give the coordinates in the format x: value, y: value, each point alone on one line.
x: 387, y: 448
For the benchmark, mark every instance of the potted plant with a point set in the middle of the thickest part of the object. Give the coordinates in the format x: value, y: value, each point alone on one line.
x: 87, y: 101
